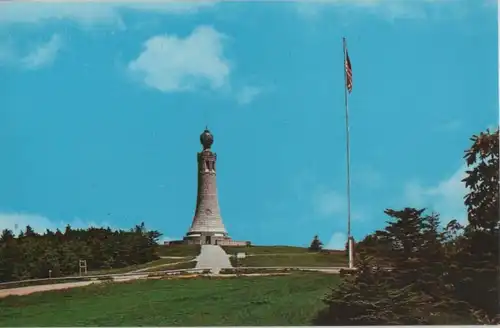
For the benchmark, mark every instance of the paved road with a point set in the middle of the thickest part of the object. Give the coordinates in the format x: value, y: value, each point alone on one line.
x: 213, y: 257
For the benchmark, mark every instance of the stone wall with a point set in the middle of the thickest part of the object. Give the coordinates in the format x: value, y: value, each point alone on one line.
x: 232, y: 243
x: 201, y: 240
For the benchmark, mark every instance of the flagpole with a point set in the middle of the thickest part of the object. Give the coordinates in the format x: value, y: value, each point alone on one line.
x: 348, y: 155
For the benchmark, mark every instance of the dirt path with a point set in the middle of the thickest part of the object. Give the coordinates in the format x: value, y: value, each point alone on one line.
x: 166, y: 265
x: 277, y: 254
x: 66, y: 285
x: 232, y: 275
x: 42, y: 288
x: 214, y: 262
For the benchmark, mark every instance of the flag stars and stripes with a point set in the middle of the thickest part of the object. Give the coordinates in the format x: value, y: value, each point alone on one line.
x: 348, y: 72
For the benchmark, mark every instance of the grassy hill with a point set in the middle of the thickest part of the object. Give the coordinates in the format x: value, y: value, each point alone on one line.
x: 179, y: 250
x: 269, y: 256
x: 299, y: 260
x: 253, y: 250
x: 165, y: 263
x: 266, y: 256
x: 185, y: 264
x: 274, y: 300
x: 286, y: 300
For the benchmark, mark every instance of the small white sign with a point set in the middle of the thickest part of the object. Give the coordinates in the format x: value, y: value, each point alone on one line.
x: 240, y: 255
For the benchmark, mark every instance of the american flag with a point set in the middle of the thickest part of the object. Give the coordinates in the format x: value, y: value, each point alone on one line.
x: 348, y: 72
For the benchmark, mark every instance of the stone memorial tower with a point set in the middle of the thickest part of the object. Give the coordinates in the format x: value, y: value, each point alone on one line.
x: 207, y: 226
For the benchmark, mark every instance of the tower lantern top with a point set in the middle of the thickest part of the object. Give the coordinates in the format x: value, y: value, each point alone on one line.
x: 206, y: 139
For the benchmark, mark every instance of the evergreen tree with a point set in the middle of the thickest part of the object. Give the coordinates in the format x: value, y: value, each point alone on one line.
x: 32, y: 255
x: 30, y: 232
x: 369, y: 298
x: 403, y: 284
x: 371, y: 245
x: 316, y: 244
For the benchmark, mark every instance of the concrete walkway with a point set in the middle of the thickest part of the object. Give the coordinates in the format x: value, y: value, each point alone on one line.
x: 213, y: 257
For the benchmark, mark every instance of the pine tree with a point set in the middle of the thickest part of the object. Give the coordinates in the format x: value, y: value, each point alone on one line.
x: 369, y: 298
x: 316, y: 244
x: 418, y: 257
x: 32, y: 255
x: 30, y: 232
x: 403, y: 284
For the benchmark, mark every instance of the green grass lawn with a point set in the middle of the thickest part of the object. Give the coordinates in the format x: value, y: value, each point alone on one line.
x: 179, y: 250
x: 304, y: 260
x: 285, y: 300
x: 138, y: 266
x: 264, y: 249
x: 163, y: 262
x: 178, y: 266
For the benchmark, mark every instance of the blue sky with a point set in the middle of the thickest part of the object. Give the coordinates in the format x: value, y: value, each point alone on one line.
x: 102, y: 106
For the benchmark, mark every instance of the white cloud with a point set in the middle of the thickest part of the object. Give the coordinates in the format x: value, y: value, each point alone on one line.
x: 314, y: 9
x: 329, y: 202
x: 7, y: 54
x: 492, y: 3
x: 192, y: 62
x: 367, y: 177
x: 18, y: 221
x: 390, y: 9
x: 307, y: 10
x: 247, y: 94
x: 170, y: 63
x: 90, y: 12
x: 451, y: 125
x: 324, y: 202
x: 446, y: 197
x: 44, y: 54
x: 337, y: 241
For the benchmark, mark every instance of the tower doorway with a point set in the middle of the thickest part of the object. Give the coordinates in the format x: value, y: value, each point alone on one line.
x: 208, y: 240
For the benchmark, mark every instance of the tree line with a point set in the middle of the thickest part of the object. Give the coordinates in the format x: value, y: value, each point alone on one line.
x: 417, y: 271
x: 31, y: 255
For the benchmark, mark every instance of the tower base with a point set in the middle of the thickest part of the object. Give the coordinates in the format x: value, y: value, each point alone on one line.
x: 207, y: 238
